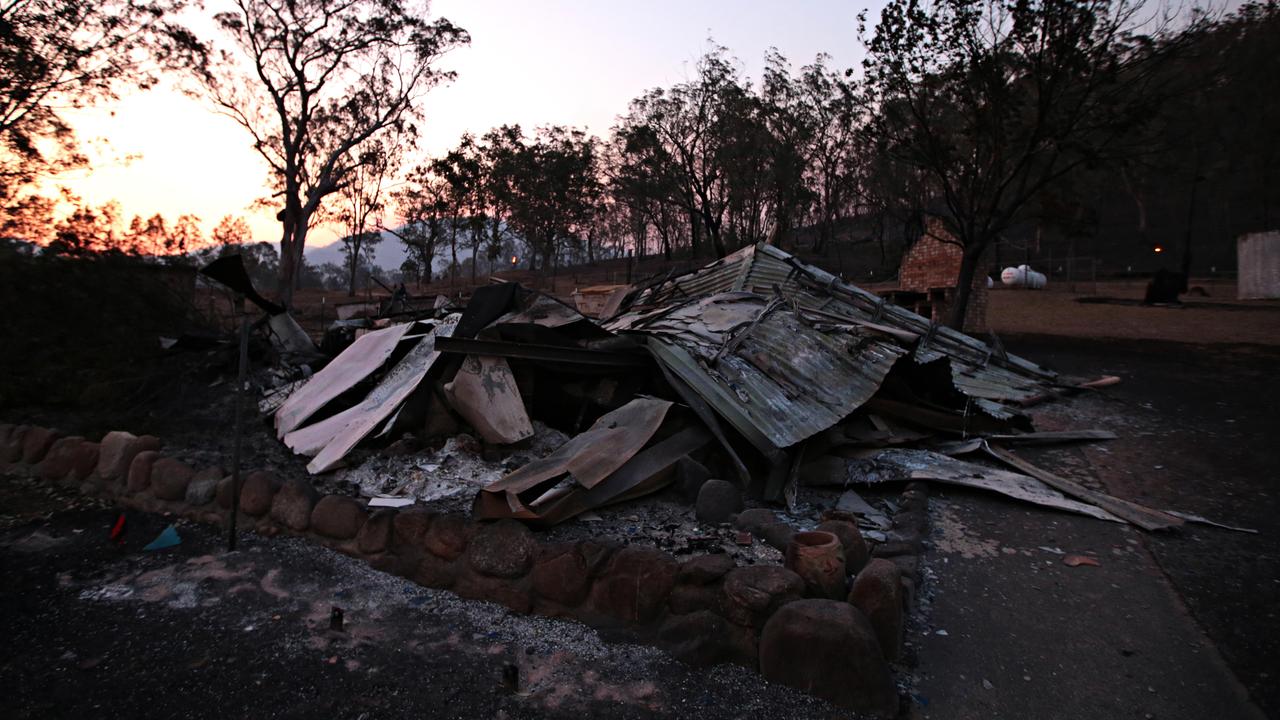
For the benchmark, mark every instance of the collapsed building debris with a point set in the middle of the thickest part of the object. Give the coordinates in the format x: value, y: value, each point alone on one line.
x: 604, y: 465
x: 758, y: 367
x: 287, y: 337
x: 902, y: 464
x: 330, y: 439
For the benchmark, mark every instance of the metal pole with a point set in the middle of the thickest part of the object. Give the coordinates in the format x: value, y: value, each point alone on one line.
x: 235, y: 453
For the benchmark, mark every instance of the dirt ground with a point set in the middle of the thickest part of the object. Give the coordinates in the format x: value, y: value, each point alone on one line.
x: 97, y: 630
x: 1112, y: 310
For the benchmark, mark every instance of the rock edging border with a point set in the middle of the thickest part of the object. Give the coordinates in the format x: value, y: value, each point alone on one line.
x: 703, y: 611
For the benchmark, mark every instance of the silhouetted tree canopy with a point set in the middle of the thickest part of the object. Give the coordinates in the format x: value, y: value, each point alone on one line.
x: 1018, y: 124
x: 68, y: 54
x: 990, y: 103
x: 314, y: 82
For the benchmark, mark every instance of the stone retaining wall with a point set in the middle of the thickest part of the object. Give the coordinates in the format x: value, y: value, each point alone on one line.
x: 703, y: 610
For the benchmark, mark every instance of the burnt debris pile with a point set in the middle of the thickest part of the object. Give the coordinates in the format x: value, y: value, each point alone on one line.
x: 757, y: 369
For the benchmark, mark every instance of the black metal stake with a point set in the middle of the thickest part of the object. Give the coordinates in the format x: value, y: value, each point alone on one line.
x: 235, y: 453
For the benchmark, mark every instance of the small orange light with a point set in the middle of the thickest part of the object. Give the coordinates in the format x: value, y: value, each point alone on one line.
x: 514, y: 259
x: 1159, y: 249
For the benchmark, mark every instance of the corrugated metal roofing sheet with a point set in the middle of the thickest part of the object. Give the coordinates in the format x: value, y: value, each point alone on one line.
x: 976, y: 370
x: 776, y: 379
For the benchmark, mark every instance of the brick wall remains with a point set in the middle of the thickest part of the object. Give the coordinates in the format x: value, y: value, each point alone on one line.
x: 932, y: 263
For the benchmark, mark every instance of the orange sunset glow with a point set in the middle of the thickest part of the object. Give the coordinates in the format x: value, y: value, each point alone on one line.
x: 573, y: 63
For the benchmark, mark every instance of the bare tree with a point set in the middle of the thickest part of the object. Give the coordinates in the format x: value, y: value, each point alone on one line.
x: 678, y: 133
x: 991, y: 103
x: 423, y: 204
x: 362, y: 206
x: 833, y: 158
x: 314, y: 82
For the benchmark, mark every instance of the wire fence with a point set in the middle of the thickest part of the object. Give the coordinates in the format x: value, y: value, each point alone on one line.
x: 1091, y: 275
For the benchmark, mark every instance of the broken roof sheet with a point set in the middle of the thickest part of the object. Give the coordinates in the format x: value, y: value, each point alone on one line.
x: 541, y: 309
x: 329, y: 440
x: 608, y: 463
x: 361, y: 359
x: 977, y: 370
x: 776, y: 379
x: 898, y: 464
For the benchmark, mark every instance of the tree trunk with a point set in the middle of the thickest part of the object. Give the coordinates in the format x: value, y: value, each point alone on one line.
x: 351, y: 269
x: 1191, y: 218
x: 964, y: 283
x: 291, y: 278
x: 496, y: 239
x: 713, y: 232
x: 695, y: 232
x: 780, y: 230
x: 1139, y: 204
x: 288, y: 267
x: 453, y: 249
x: 477, y: 235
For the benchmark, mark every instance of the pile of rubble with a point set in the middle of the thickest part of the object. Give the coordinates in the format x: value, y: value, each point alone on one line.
x: 440, y: 436
x: 757, y: 368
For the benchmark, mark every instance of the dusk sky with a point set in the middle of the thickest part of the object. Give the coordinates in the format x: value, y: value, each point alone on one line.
x: 569, y: 62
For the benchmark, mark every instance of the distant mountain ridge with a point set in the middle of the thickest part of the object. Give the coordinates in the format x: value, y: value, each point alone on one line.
x: 388, y: 255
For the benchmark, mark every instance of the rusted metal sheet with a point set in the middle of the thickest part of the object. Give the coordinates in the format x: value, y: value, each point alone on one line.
x: 987, y: 383
x: 605, y: 464
x: 978, y: 370
x: 331, y: 439
x: 593, y: 454
x: 780, y: 381
x: 594, y: 301
x: 544, y: 310
x: 939, y: 420
x: 1050, y: 437
x: 288, y: 337
x: 902, y: 464
x: 484, y: 393
x: 1140, y: 515
x: 549, y: 353
x: 645, y: 472
x: 614, y: 302
x: 360, y: 360
x: 720, y: 276
x: 709, y: 419
x: 956, y: 344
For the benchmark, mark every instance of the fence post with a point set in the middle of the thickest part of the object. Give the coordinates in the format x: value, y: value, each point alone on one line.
x: 238, y: 428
